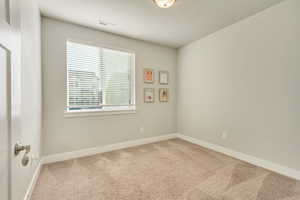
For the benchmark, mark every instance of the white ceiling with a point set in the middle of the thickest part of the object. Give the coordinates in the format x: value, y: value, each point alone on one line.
x: 186, y: 21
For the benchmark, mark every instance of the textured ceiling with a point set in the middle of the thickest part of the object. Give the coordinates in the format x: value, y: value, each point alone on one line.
x: 186, y: 21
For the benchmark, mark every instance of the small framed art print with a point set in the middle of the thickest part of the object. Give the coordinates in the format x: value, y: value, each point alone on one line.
x: 149, y: 95
x: 163, y: 95
x: 148, y: 76
x: 163, y: 77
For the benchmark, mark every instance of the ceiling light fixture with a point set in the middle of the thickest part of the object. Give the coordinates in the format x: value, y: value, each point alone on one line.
x: 164, y: 3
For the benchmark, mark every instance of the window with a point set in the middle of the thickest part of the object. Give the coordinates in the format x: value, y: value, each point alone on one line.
x: 99, y: 79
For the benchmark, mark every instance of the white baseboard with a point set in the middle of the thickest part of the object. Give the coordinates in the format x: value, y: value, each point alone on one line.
x: 33, y: 181
x: 102, y: 149
x: 292, y: 173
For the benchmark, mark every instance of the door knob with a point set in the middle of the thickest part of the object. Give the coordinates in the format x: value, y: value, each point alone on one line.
x: 19, y: 148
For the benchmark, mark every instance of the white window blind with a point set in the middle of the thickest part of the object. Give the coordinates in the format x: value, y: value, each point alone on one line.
x: 98, y: 78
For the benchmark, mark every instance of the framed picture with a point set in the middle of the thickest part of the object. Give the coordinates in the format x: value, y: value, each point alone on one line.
x: 149, y: 95
x: 148, y: 75
x: 163, y: 77
x: 163, y: 95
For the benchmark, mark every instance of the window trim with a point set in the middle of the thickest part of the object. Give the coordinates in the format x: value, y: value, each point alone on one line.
x: 87, y: 113
x: 130, y: 109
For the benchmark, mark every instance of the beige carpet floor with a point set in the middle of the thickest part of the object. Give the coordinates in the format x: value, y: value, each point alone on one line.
x: 168, y: 170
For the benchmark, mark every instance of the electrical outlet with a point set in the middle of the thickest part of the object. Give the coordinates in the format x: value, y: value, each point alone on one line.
x: 142, y: 130
x: 224, y: 135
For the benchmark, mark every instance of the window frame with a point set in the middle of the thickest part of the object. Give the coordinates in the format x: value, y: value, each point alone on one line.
x: 114, y: 110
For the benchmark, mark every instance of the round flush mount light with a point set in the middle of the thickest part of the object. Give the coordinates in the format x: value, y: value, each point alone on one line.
x: 164, y: 3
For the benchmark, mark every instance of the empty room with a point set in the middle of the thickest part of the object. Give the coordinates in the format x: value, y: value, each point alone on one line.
x: 149, y: 100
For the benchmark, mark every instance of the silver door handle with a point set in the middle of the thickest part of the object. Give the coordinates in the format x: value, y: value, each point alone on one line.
x: 19, y: 148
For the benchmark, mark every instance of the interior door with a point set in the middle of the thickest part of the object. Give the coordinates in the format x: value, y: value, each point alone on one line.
x: 10, y: 95
x: 4, y: 125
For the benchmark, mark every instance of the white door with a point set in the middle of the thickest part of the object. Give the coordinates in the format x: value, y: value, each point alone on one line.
x: 10, y: 96
x: 4, y: 130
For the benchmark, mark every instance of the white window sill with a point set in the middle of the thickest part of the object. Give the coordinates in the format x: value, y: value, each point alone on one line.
x: 105, y: 111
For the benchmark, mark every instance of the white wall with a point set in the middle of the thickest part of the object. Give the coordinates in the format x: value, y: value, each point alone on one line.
x: 62, y: 134
x: 245, y: 80
x: 31, y: 100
